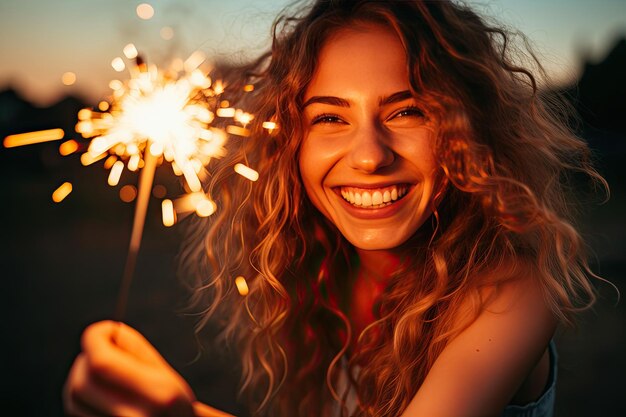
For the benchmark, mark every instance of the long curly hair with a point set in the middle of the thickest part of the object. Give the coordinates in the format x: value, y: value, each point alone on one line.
x: 511, y: 166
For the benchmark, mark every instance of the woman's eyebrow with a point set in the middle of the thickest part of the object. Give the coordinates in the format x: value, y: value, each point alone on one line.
x: 395, y: 98
x: 334, y: 101
x: 337, y: 101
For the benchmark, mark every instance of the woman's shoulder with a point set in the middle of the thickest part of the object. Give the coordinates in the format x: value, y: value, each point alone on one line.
x: 484, y: 364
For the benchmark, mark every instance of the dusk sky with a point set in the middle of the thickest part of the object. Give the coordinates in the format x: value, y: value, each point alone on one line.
x: 42, y: 39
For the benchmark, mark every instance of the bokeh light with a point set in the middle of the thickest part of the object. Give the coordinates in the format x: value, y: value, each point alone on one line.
x: 68, y: 78
x: 128, y: 193
x: 145, y: 11
x: 167, y: 33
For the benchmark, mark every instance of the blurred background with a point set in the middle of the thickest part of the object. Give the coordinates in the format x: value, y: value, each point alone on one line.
x: 61, y: 263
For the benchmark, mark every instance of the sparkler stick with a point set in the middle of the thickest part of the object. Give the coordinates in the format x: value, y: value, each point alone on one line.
x: 141, y: 208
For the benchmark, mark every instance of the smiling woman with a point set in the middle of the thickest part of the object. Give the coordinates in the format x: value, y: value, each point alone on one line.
x: 367, y: 161
x: 408, y: 248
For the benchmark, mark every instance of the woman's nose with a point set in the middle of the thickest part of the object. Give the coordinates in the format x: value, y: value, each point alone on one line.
x: 369, y: 151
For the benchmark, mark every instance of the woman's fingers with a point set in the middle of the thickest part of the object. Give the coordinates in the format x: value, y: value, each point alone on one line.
x: 84, y: 395
x: 118, y: 335
x: 121, y: 357
x: 121, y: 373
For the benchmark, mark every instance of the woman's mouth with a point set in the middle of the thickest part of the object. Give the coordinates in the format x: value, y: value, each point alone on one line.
x: 374, y: 198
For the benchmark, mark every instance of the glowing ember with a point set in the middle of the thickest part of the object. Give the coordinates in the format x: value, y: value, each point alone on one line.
x: 269, y: 126
x: 68, y: 147
x: 246, y: 172
x: 116, y: 173
x: 242, y: 286
x: 30, y: 138
x: 63, y: 191
x: 205, y: 207
x: 169, y: 215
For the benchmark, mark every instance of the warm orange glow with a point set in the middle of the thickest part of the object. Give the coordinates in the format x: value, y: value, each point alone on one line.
x: 88, y: 159
x: 68, y: 78
x: 84, y: 114
x: 133, y: 163
x: 116, y: 173
x: 156, y: 149
x: 128, y: 193
x: 68, y: 147
x: 169, y: 215
x: 246, y: 172
x: 218, y: 87
x: 115, y: 85
x: 63, y: 191
x: 225, y: 112
x: 205, y: 207
x: 243, y: 117
x: 110, y: 161
x: 103, y: 106
x: 237, y: 130
x: 176, y: 169
x: 242, y: 285
x: 159, y: 191
x: 118, y: 64
x: 269, y: 126
x: 248, y: 88
x: 167, y: 33
x: 145, y: 11
x: 30, y: 138
x: 130, y: 51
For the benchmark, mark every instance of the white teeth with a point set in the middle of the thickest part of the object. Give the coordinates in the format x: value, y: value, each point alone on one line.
x: 366, y: 199
x: 375, y: 199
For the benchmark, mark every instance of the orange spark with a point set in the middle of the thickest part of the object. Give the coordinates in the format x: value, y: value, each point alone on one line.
x: 30, y: 138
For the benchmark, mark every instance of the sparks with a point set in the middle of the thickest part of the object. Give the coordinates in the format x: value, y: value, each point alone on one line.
x: 246, y: 172
x: 63, y: 191
x: 30, y: 138
x: 242, y: 286
x: 169, y: 109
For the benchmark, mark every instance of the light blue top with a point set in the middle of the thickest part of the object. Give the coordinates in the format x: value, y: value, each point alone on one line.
x: 544, y: 406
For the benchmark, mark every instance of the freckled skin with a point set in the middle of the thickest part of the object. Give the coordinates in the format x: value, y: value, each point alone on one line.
x: 367, y: 143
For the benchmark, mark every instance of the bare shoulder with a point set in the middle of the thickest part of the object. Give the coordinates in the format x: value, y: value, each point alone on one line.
x: 481, y: 369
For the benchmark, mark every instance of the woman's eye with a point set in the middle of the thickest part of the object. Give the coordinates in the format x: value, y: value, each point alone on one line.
x: 326, y: 119
x: 407, y: 112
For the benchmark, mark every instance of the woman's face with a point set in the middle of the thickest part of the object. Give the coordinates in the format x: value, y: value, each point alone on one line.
x: 367, y: 159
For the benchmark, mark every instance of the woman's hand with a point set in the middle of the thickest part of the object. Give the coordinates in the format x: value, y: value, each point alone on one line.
x: 119, y: 373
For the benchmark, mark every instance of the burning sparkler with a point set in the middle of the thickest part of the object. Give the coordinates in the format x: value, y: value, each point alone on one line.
x: 154, y: 117
x: 161, y: 116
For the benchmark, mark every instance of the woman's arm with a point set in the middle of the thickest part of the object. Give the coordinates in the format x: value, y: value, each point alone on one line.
x: 119, y: 373
x: 478, y: 372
